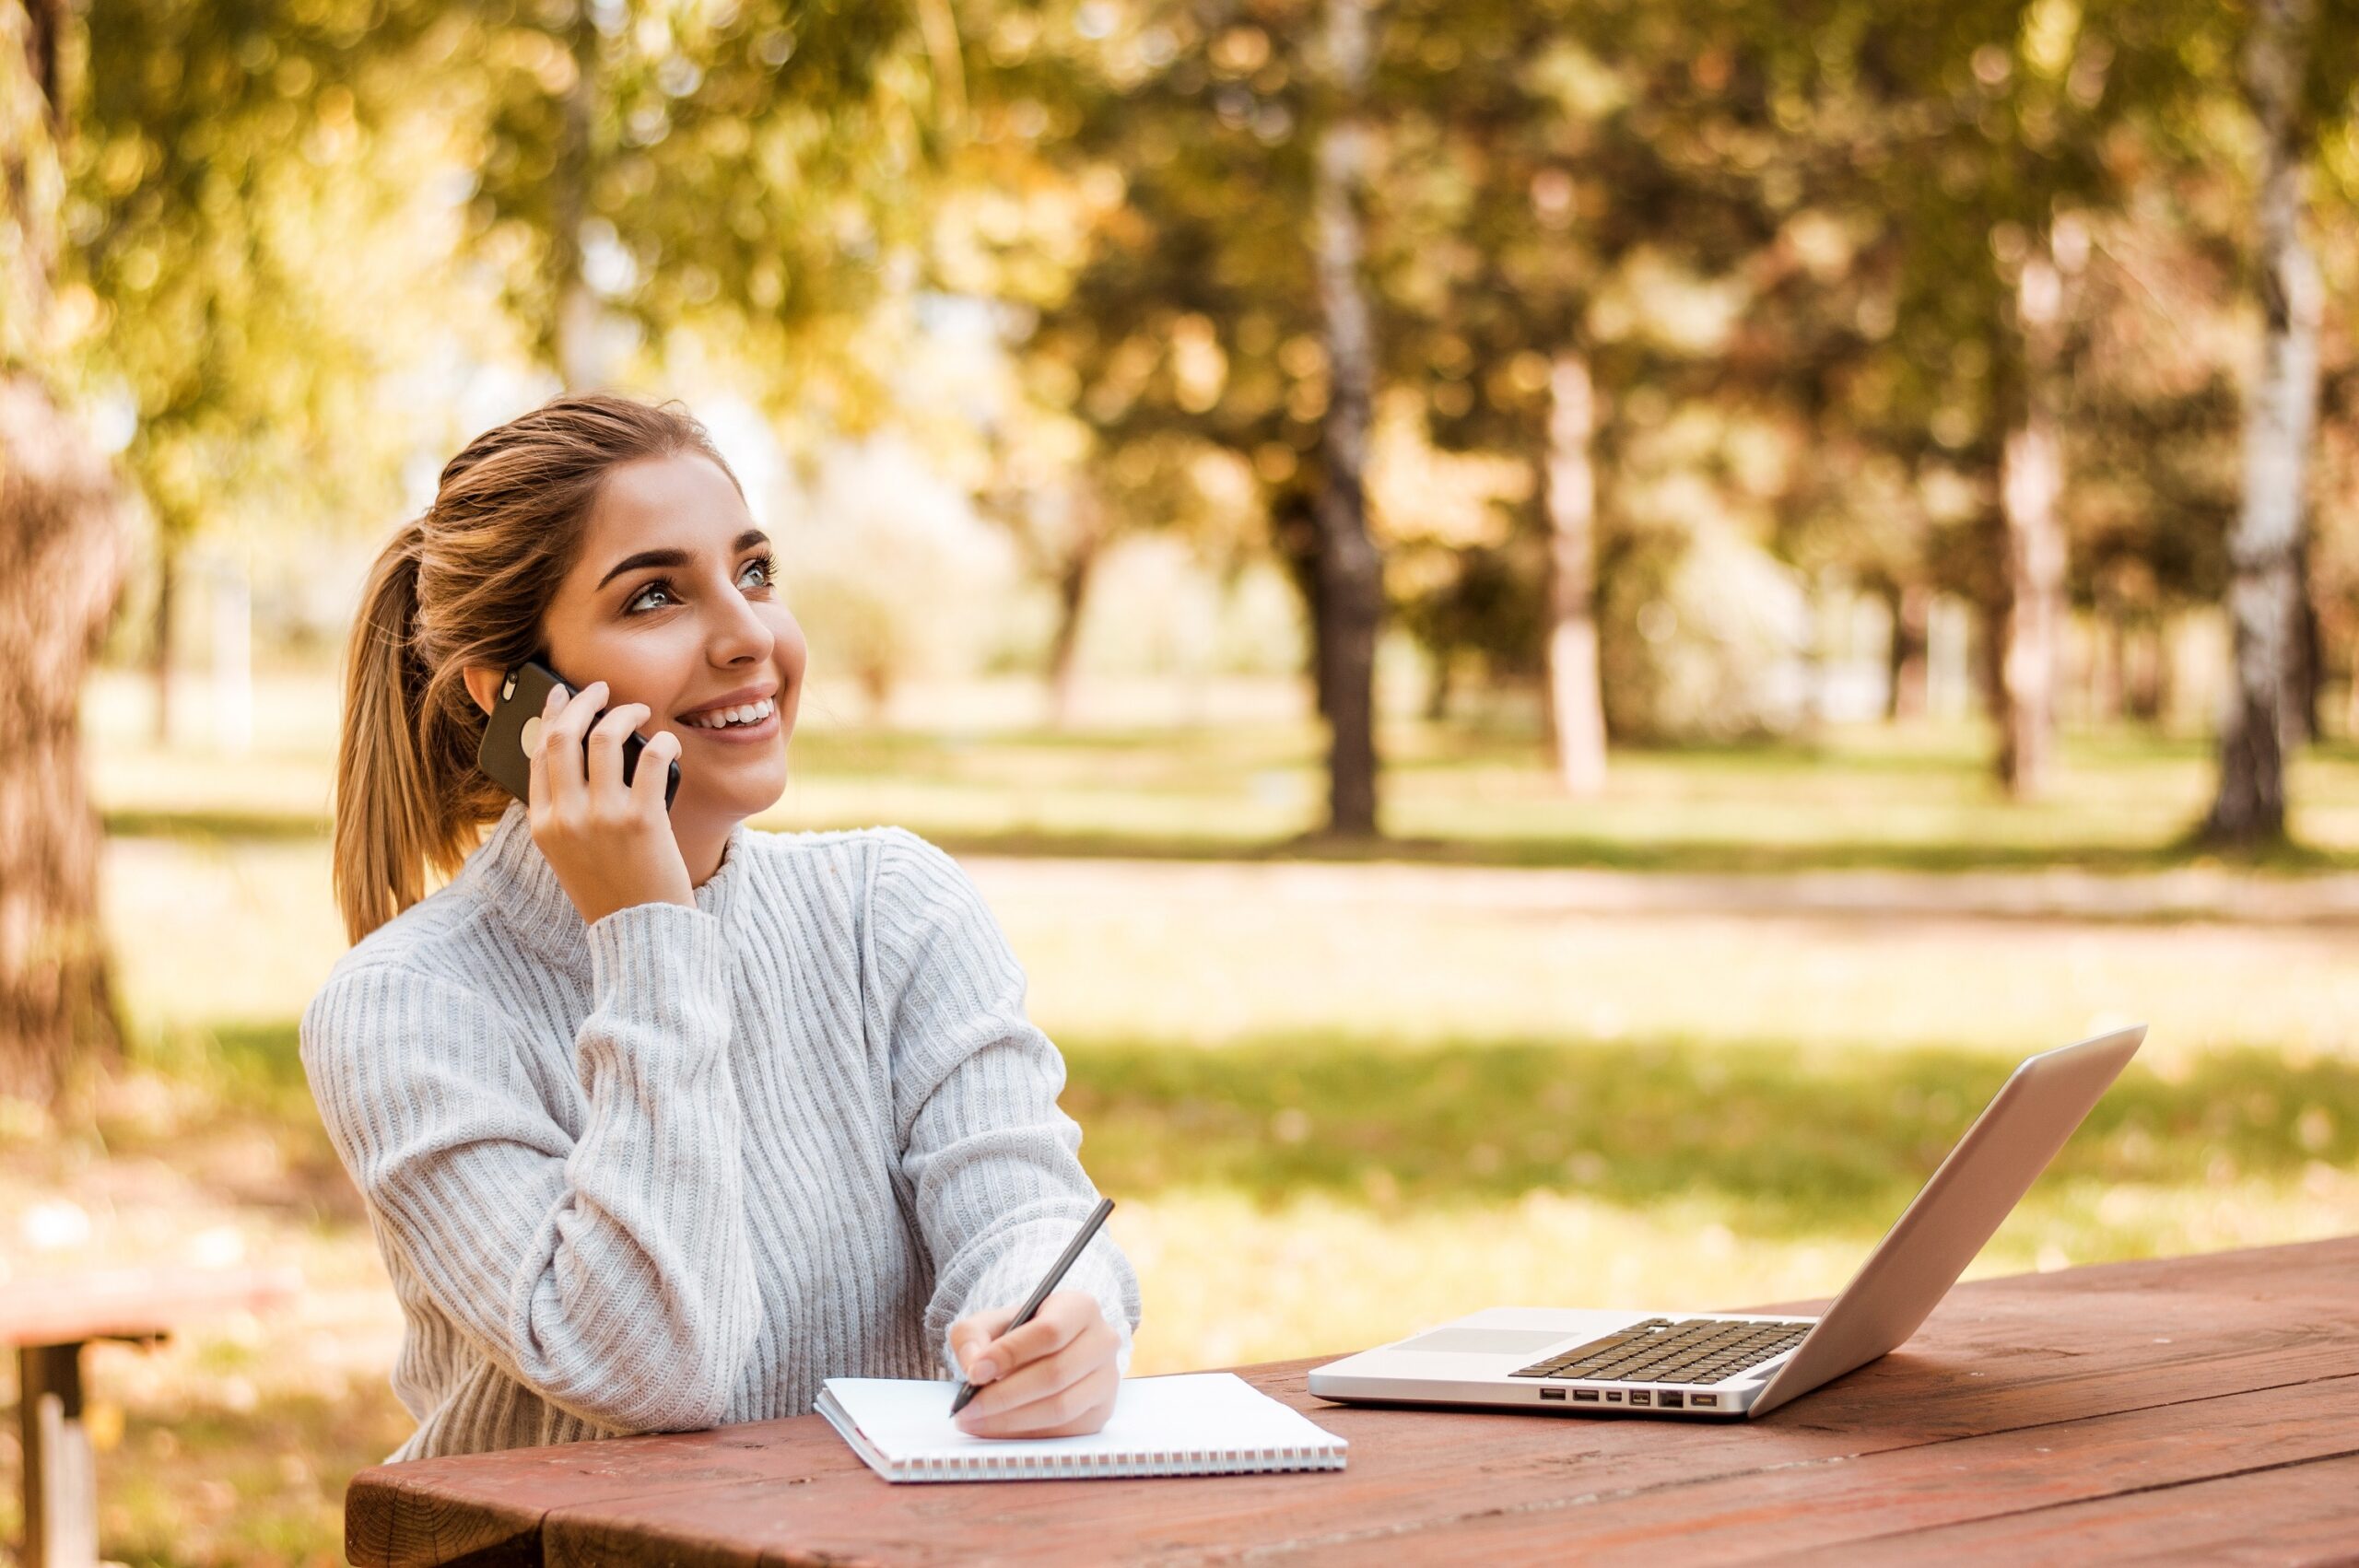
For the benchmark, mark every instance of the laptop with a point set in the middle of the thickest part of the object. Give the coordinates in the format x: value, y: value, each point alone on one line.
x: 1717, y: 1366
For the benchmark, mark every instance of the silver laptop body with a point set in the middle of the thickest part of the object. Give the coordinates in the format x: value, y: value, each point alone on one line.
x: 1714, y: 1367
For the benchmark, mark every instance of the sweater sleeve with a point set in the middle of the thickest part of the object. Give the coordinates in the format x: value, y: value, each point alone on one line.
x: 612, y: 1274
x: 993, y: 1161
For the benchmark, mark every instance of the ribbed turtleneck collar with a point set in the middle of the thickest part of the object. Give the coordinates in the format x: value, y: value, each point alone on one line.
x: 517, y: 880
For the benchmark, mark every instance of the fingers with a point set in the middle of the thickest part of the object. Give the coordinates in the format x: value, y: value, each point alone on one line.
x: 563, y: 767
x: 536, y: 793
x: 1081, y: 1404
x: 1064, y: 1315
x: 605, y: 760
x: 969, y: 1337
x: 654, y: 769
x: 1049, y: 1387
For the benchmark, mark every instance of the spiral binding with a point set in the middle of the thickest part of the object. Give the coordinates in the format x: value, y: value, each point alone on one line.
x: 1165, y: 1462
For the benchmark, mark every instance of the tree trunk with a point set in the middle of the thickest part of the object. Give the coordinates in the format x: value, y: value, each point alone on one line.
x: 63, y: 550
x: 1439, y: 685
x: 2306, y: 665
x: 573, y: 328
x: 159, y: 656
x: 1906, y: 667
x: 1294, y: 538
x: 1073, y: 578
x: 64, y: 543
x: 2030, y: 480
x: 2161, y: 689
x: 1351, y: 584
x: 2262, y: 548
x: 2109, y: 668
x: 1576, y: 704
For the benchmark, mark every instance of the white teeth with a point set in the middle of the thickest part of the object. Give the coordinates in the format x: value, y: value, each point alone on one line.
x: 721, y: 718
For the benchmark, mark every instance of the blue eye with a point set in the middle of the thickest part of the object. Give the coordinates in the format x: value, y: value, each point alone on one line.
x: 663, y: 586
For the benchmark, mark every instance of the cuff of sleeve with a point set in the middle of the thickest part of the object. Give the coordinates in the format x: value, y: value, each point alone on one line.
x: 651, y: 954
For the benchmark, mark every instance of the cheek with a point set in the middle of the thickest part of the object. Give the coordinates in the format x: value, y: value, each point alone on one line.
x: 792, y: 653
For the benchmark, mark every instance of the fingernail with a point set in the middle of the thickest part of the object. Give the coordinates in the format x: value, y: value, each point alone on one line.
x: 982, y: 1371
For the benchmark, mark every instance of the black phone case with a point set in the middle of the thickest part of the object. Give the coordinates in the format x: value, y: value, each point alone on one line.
x: 502, y: 754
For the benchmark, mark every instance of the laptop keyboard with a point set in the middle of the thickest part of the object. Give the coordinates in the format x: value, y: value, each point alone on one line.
x: 1659, y: 1351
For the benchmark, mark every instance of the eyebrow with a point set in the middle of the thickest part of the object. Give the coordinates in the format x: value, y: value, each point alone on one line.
x: 745, y: 541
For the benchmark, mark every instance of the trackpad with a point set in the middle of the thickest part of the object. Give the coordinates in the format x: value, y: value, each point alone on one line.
x: 1483, y: 1341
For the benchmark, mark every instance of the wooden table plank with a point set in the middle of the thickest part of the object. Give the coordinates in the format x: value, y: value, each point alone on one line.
x: 2302, y: 1514
x: 1897, y: 1494
x: 2000, y: 1358
x: 410, y: 1515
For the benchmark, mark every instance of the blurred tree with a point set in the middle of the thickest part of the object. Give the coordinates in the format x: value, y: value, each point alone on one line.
x: 62, y: 548
x: 234, y: 197
x: 2296, y: 75
x: 1540, y: 152
x: 1978, y: 144
x: 1214, y: 303
x: 751, y: 171
x: 1351, y: 579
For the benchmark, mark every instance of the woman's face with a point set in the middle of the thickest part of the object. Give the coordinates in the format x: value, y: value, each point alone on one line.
x: 671, y: 601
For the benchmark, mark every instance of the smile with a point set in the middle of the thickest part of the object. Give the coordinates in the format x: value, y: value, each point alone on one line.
x: 743, y: 717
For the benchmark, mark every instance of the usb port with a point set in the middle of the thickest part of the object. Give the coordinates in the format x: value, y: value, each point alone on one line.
x: 1707, y: 1401
x: 1552, y: 1393
x: 1671, y: 1401
x: 1639, y: 1397
x: 1584, y: 1395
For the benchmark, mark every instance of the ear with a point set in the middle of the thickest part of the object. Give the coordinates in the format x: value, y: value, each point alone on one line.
x: 482, y: 684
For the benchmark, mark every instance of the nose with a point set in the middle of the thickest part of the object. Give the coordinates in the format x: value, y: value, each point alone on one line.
x: 739, y: 637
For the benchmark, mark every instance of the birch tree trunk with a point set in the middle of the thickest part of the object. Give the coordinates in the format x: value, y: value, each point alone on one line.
x: 1351, y: 601
x: 62, y: 548
x: 2264, y: 612
x: 1576, y: 704
x: 2031, y: 478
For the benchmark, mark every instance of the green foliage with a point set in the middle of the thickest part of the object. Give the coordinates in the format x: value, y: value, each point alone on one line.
x: 235, y: 176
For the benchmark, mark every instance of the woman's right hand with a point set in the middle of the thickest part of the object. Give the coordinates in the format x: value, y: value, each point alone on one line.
x: 610, y: 843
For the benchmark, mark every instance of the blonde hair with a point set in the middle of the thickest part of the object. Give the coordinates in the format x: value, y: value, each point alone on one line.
x: 467, y: 583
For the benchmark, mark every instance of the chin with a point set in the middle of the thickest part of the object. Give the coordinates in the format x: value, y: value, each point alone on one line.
x: 742, y: 798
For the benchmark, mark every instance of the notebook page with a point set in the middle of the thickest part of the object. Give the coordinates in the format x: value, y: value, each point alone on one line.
x: 1190, y: 1413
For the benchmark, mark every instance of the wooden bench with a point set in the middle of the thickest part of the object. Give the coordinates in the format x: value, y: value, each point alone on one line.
x: 2204, y: 1408
x: 48, y: 1321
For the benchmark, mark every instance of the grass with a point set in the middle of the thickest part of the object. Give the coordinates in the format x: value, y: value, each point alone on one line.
x: 1780, y: 1140
x: 1337, y: 1100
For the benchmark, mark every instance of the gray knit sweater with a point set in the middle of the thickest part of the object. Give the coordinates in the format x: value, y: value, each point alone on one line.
x: 671, y: 1170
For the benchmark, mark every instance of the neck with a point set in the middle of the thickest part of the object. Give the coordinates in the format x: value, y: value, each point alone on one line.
x: 702, y: 844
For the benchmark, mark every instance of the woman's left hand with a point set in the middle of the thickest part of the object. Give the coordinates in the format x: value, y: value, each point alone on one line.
x: 1053, y: 1377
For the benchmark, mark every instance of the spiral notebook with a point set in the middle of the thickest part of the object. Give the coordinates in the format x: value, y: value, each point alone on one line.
x: 1196, y: 1423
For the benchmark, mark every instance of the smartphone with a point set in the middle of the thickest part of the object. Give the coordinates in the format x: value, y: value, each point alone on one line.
x: 506, y: 751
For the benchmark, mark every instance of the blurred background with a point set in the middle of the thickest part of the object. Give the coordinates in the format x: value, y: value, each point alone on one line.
x: 1557, y: 630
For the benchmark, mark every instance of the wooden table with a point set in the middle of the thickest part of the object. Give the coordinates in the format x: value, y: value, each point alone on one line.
x: 48, y: 1320
x: 2198, y: 1408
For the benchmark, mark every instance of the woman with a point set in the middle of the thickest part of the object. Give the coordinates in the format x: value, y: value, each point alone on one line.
x: 661, y: 1120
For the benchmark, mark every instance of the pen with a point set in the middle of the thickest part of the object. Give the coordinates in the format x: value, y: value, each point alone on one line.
x: 1040, y: 1292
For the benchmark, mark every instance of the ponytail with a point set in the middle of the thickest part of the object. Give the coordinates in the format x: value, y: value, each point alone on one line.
x: 466, y: 584
x: 388, y: 815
